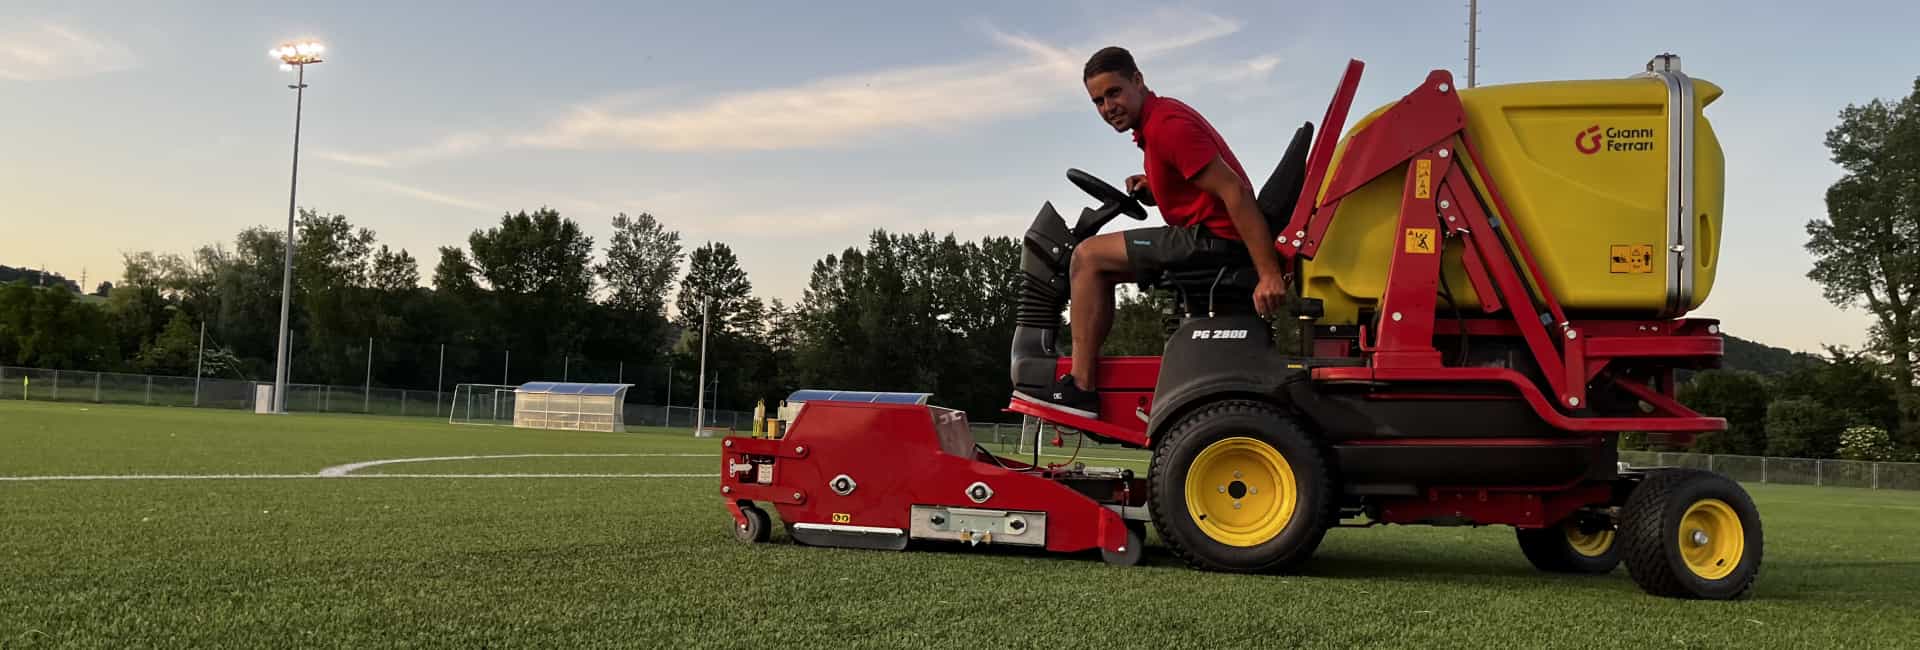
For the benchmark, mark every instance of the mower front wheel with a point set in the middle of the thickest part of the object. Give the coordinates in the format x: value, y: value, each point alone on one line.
x: 1237, y: 486
x: 758, y: 528
x: 1691, y: 534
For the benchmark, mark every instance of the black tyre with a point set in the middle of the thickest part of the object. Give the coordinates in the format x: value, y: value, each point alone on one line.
x: 1237, y: 486
x: 1691, y: 534
x: 1135, y: 549
x: 758, y: 527
x: 1574, y: 546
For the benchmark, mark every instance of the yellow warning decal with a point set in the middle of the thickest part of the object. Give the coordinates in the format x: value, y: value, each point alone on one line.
x: 1423, y: 179
x: 1420, y: 241
x: 842, y: 518
x: 1637, y: 258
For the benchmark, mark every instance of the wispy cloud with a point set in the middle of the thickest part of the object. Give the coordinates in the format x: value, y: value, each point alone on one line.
x: 446, y: 147
x: 1026, y: 76
x: 426, y: 195
x: 51, y: 51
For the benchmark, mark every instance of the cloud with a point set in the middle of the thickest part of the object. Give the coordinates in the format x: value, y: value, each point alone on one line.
x: 426, y: 195
x: 51, y: 51
x: 1025, y: 77
x: 446, y: 147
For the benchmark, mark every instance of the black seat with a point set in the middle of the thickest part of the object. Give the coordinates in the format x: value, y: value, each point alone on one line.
x: 1213, y: 289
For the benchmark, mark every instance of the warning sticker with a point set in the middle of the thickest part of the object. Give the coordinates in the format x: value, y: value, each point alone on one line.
x: 1423, y: 179
x: 1637, y: 258
x: 1420, y: 241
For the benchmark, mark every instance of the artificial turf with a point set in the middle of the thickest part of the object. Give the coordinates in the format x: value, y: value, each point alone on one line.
x: 630, y: 561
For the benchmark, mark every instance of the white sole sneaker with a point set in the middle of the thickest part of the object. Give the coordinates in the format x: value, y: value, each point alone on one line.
x: 1054, y: 407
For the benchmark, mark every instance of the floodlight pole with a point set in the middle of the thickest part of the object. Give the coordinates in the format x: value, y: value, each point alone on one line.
x: 200, y: 363
x: 286, y: 272
x: 296, y: 57
x: 440, y: 382
x: 700, y: 398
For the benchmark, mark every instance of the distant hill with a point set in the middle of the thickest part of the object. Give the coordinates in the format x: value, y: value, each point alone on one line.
x: 9, y: 274
x: 1742, y: 354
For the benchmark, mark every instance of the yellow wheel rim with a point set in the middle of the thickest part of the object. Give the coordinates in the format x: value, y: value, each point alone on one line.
x: 1241, y: 491
x: 1588, y: 544
x: 1711, y: 539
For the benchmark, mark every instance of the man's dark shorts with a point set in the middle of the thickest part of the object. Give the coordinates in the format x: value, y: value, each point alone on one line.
x: 1153, y: 251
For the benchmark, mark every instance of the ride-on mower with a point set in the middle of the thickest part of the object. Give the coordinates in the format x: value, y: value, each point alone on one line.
x: 1491, y: 287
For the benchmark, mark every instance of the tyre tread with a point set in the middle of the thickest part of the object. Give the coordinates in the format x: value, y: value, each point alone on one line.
x: 1158, y: 471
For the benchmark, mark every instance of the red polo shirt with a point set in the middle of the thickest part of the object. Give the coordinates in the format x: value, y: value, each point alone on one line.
x: 1178, y: 143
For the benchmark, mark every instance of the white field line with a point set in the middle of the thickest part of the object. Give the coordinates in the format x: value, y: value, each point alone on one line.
x: 223, y: 477
x: 346, y: 471
x: 349, y: 468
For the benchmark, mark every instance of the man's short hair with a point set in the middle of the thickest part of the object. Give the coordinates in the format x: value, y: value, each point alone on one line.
x: 1111, y: 59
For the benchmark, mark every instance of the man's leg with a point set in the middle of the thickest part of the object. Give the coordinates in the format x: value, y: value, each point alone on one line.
x: 1099, y: 264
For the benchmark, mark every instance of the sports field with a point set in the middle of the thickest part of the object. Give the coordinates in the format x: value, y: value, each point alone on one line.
x: 236, y: 538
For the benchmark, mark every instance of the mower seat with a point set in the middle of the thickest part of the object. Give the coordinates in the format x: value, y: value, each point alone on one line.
x: 1214, y: 289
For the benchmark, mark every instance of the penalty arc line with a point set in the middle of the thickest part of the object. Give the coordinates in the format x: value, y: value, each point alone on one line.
x: 349, y: 468
x: 227, y: 477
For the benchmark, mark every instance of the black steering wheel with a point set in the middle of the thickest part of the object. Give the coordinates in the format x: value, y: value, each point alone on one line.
x: 1107, y: 195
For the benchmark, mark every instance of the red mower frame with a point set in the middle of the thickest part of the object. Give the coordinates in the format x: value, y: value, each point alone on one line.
x: 1442, y: 205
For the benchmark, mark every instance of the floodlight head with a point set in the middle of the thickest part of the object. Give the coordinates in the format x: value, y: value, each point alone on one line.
x: 301, y: 53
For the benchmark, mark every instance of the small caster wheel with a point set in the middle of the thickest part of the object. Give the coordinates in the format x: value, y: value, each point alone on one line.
x: 1135, y: 549
x: 756, y: 530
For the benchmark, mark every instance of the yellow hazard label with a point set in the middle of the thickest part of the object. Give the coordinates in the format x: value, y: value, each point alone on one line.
x: 1636, y: 258
x: 842, y: 518
x: 1423, y: 179
x: 1420, y: 241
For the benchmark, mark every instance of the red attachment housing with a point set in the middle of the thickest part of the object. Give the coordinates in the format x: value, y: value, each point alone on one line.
x: 897, y: 456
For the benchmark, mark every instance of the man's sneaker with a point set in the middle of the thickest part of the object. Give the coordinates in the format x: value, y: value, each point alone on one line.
x: 1066, y: 397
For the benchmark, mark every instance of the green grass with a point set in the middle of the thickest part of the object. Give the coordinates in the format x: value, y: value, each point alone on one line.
x: 649, y: 562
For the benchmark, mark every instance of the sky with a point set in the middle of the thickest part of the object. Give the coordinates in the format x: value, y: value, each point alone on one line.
x: 792, y: 130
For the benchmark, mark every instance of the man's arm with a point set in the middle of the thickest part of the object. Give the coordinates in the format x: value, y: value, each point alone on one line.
x: 1219, y: 179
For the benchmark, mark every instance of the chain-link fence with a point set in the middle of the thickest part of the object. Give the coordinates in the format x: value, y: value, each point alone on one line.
x: 1792, y: 471
x: 36, y: 384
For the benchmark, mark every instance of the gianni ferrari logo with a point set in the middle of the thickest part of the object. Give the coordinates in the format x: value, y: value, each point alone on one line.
x: 1593, y: 139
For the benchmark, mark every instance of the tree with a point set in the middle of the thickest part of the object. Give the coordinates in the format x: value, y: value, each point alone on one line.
x: 105, y: 289
x: 1739, y: 396
x: 454, y: 273
x: 713, y: 272
x: 173, y: 352
x: 538, y: 269
x: 1802, y: 428
x: 394, y: 271
x: 1867, y: 249
x: 641, y: 262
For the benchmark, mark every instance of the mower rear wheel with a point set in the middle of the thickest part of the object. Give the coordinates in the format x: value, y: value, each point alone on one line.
x: 1574, y: 546
x: 1691, y: 534
x: 1237, y: 486
x: 758, y: 528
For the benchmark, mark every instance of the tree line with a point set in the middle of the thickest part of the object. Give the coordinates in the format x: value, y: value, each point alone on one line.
x: 524, y: 300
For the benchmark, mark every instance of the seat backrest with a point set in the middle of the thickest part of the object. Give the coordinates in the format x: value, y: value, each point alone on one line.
x: 1282, y: 190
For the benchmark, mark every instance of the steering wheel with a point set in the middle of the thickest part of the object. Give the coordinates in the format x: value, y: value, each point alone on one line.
x: 1107, y: 195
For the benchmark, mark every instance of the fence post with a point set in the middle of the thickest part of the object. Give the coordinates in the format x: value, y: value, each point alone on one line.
x: 1763, y: 469
x: 1876, y: 476
x: 56, y: 385
x: 1817, y: 478
x: 148, y: 400
x: 326, y: 399
x: 403, y: 402
x: 1709, y: 462
x: 96, y: 388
